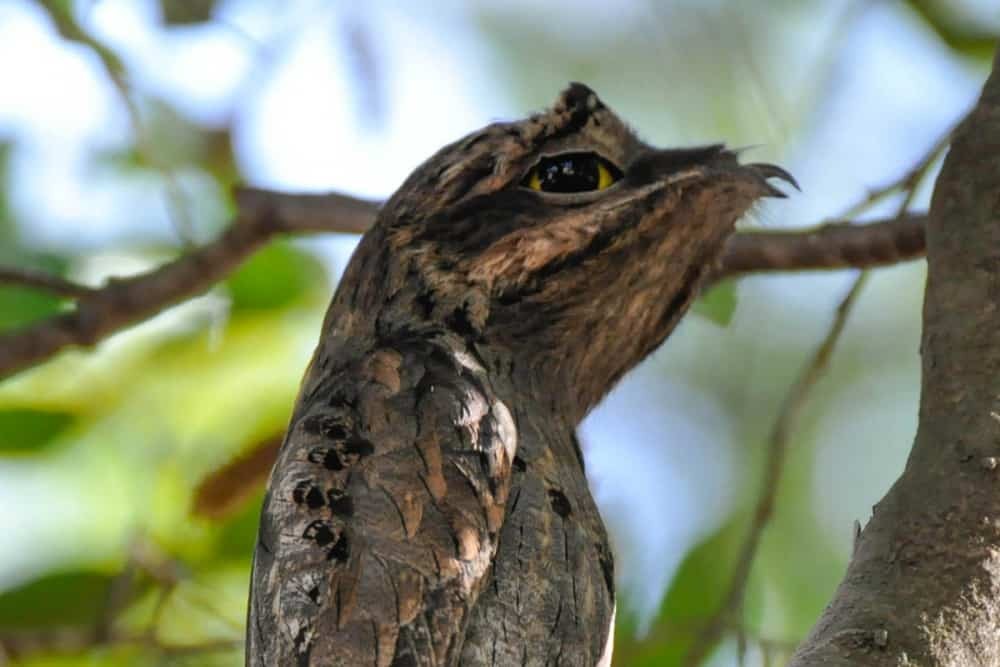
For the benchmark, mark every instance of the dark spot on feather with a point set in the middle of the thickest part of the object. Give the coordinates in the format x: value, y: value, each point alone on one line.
x: 334, y: 430
x: 314, y: 594
x: 426, y: 301
x: 306, y: 492
x: 340, y: 401
x: 340, y: 503
x: 327, y: 457
x: 301, y: 489
x: 340, y: 551
x: 484, y: 459
x: 319, y: 532
x: 314, y: 499
x: 560, y: 503
x: 460, y: 323
x: 405, y: 660
x: 359, y: 448
x: 303, y: 647
x: 509, y: 298
x: 311, y: 425
x: 519, y: 464
x: 326, y: 426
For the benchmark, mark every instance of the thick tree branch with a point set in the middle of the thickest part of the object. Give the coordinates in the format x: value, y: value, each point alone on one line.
x: 263, y: 214
x: 835, y: 245
x: 923, y: 587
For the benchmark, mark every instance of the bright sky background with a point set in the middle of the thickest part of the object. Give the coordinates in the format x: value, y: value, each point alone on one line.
x: 662, y: 476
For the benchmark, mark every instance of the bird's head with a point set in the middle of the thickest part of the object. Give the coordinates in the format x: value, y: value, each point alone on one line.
x: 561, y: 238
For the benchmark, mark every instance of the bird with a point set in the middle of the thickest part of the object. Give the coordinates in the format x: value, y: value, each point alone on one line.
x: 429, y: 506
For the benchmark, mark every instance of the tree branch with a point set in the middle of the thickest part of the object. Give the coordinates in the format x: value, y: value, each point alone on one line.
x: 899, y: 237
x: 835, y: 245
x: 331, y: 212
x: 124, y: 302
x: 774, y: 462
x: 923, y: 586
x: 101, y: 312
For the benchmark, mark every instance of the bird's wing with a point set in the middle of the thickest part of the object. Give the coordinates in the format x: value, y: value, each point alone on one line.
x: 382, y: 514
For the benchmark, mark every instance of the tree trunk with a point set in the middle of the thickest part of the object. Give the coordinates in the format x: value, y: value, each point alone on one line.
x: 923, y: 586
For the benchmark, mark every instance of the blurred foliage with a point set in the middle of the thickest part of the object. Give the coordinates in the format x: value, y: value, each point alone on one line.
x: 718, y: 304
x: 65, y: 598
x: 274, y: 278
x: 106, y: 453
x: 28, y: 430
x: 20, y: 306
x: 8, y: 228
x: 958, y: 27
x: 186, y: 12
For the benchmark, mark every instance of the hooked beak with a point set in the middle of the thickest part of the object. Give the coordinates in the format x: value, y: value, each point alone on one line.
x: 766, y: 171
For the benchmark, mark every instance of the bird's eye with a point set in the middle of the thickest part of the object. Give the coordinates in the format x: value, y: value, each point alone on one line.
x: 572, y: 172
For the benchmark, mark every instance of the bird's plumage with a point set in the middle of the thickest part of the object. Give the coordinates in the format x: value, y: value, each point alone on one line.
x: 429, y: 506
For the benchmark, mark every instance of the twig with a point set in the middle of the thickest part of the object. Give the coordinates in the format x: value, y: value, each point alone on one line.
x: 791, y: 408
x: 941, y: 553
x: 908, y: 182
x: 61, y: 14
x: 128, y: 301
x: 144, y: 557
x: 264, y: 214
x: 775, y: 460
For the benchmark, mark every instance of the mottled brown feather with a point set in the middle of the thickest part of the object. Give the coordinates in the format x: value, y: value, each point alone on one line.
x: 429, y: 506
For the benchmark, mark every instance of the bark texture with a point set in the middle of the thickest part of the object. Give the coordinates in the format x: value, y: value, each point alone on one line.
x: 923, y: 587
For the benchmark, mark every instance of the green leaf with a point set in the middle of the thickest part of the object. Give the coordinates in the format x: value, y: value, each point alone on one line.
x: 238, y: 536
x: 28, y: 430
x: 718, y: 304
x: 118, y: 655
x: 957, y: 28
x: 275, y: 277
x: 186, y: 12
x: 64, y: 599
x: 22, y: 305
x: 8, y: 230
x: 697, y: 590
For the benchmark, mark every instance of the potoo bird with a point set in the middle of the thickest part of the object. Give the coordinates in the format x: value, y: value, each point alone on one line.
x: 429, y: 506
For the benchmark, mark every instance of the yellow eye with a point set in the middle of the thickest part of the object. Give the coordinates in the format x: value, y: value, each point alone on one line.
x: 572, y: 172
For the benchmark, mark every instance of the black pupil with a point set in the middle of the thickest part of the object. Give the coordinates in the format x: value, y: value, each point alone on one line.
x: 569, y: 173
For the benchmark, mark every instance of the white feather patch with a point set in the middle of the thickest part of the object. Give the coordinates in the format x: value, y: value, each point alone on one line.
x: 605, y: 660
